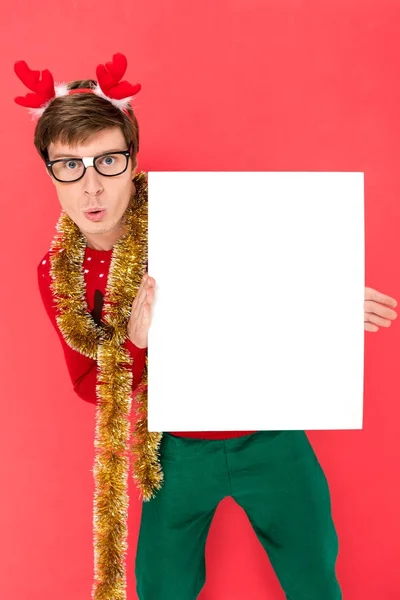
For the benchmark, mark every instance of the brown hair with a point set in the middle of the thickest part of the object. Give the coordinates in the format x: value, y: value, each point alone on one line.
x: 74, y: 119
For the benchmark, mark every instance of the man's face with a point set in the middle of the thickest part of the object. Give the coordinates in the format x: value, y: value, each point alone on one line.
x: 94, y: 191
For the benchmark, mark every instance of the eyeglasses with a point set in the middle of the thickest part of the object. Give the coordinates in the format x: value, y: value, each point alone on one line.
x: 110, y: 164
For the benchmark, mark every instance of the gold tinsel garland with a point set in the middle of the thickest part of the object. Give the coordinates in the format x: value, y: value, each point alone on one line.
x: 114, y: 382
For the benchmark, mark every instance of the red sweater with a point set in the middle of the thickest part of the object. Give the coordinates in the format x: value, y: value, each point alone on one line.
x: 82, y: 370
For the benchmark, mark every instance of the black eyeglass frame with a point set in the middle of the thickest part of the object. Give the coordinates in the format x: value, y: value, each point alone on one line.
x: 50, y: 163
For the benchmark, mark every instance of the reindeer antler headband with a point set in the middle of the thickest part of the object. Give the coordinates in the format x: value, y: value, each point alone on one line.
x: 44, y: 90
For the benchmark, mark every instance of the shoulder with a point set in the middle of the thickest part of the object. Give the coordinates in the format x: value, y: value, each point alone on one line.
x: 43, y: 267
x: 44, y: 277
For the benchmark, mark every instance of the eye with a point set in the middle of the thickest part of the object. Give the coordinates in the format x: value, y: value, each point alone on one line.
x: 70, y: 164
x: 108, y: 160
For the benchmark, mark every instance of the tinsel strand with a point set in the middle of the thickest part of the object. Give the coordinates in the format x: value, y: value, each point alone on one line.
x: 114, y: 383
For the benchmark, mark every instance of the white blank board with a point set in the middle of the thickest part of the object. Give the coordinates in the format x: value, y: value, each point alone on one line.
x: 258, y: 318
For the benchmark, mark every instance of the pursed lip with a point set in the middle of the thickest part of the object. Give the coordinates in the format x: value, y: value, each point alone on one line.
x: 95, y: 215
x: 90, y: 210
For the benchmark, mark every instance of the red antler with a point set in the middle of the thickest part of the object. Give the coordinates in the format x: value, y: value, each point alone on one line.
x: 109, y: 78
x: 43, y: 88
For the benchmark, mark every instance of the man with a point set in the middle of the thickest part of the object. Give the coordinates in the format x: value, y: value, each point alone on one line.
x: 98, y: 295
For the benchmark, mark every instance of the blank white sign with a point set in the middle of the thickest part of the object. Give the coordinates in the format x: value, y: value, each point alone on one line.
x: 258, y: 319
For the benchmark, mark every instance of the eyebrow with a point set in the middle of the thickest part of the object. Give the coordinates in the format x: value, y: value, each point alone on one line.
x: 99, y: 154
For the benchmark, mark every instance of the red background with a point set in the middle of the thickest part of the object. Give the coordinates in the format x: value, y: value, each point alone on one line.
x: 227, y: 85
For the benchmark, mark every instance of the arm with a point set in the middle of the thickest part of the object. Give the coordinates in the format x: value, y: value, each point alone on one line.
x: 83, y: 370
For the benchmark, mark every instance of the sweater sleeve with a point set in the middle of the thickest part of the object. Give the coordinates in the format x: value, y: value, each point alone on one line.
x: 82, y: 369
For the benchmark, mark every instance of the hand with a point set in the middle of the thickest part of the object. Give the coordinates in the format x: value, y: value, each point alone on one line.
x: 140, y: 319
x: 378, y: 310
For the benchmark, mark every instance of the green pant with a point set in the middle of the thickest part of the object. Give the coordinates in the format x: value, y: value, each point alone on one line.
x: 275, y: 477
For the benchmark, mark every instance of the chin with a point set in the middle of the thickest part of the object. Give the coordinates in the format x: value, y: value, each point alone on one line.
x: 110, y: 223
x: 99, y: 228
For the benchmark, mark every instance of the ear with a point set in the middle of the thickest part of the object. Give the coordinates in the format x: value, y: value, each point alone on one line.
x: 49, y: 174
x: 135, y: 166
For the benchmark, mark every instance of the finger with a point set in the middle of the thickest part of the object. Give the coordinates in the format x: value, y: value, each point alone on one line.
x: 378, y: 309
x: 142, y: 286
x: 150, y: 284
x: 141, y: 293
x: 146, y: 296
x: 370, y: 318
x: 371, y: 294
x: 150, y: 295
x: 141, y: 329
x: 150, y: 280
x: 140, y: 314
x: 370, y: 327
x: 142, y: 324
x: 146, y: 320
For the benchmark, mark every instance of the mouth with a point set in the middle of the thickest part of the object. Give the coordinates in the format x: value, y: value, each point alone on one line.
x: 95, y: 214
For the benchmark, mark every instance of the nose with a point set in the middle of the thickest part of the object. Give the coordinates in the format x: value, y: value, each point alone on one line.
x: 92, y: 182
